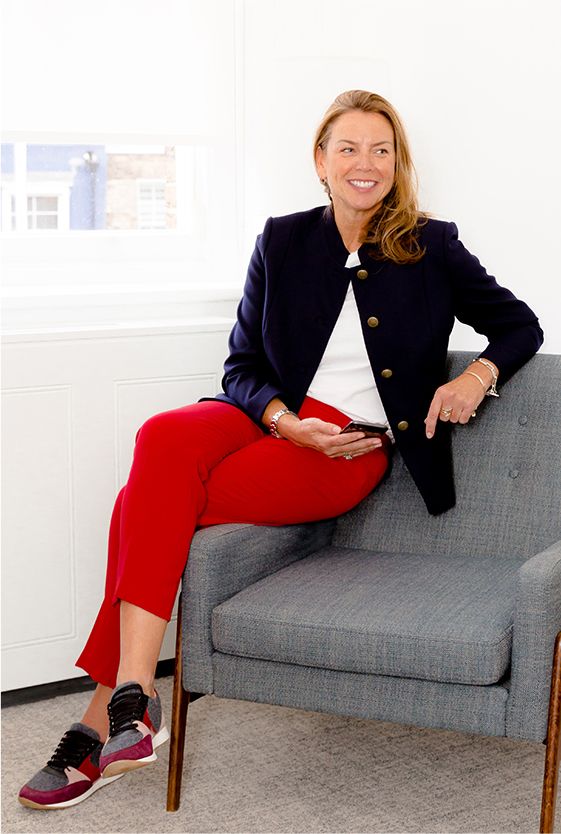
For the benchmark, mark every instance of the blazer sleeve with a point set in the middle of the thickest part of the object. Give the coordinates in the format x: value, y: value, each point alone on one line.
x: 249, y: 377
x: 478, y: 300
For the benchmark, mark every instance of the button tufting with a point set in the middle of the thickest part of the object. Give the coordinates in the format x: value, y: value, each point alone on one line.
x: 513, y: 473
x: 523, y: 420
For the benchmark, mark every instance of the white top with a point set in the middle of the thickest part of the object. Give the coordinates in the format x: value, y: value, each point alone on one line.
x: 344, y: 378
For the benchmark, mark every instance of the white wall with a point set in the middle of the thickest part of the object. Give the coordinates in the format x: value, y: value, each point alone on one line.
x: 477, y: 82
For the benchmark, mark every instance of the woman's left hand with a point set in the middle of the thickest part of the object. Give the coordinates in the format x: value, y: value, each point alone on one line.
x: 456, y: 401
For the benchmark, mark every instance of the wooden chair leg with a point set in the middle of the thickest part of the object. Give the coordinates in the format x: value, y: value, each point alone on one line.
x: 551, y: 769
x: 178, y: 721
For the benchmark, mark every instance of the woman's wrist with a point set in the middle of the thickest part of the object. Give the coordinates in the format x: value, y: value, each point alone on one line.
x: 486, y: 373
x: 480, y: 363
x: 284, y: 424
x: 476, y: 376
x: 277, y: 413
x: 272, y: 408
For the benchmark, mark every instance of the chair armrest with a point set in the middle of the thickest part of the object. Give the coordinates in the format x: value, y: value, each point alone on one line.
x: 537, y: 621
x: 224, y: 560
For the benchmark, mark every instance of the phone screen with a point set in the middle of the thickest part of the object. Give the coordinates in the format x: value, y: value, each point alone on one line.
x: 368, y: 428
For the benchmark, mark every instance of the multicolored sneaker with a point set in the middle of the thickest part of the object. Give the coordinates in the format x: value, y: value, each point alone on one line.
x: 136, y: 728
x: 71, y: 775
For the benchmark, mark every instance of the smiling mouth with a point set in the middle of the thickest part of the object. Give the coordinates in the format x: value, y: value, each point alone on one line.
x: 363, y: 183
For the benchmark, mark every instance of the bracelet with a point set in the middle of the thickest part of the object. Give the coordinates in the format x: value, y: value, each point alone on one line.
x: 492, y: 392
x: 477, y: 377
x: 276, y: 417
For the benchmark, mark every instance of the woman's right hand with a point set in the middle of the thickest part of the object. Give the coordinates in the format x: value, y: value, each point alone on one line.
x: 313, y: 433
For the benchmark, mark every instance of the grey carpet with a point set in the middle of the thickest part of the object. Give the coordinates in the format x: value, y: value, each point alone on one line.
x: 257, y: 768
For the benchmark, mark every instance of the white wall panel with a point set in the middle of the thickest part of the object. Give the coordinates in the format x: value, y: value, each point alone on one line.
x: 72, y: 404
x: 134, y: 404
x: 37, y: 513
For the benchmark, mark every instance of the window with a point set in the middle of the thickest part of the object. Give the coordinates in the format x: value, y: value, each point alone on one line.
x: 46, y: 207
x: 98, y: 126
x: 104, y: 232
x: 42, y: 212
x: 89, y: 188
x: 151, y: 204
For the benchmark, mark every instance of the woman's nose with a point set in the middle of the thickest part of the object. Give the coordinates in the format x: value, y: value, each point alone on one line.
x: 364, y: 162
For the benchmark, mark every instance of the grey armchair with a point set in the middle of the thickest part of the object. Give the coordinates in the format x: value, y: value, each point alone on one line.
x: 392, y: 614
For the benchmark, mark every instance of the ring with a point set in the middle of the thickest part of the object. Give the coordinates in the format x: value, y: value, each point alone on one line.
x: 348, y: 457
x: 474, y: 413
x: 446, y: 411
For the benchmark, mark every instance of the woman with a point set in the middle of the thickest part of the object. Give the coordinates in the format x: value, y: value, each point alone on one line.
x: 346, y: 314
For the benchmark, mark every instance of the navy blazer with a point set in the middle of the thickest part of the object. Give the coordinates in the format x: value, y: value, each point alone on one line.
x: 295, y: 288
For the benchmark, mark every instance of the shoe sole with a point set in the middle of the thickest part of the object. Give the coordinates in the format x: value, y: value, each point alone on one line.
x: 122, y: 766
x: 101, y: 783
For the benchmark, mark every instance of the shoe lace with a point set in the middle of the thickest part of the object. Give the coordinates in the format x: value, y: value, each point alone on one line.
x: 73, y: 748
x: 126, y: 707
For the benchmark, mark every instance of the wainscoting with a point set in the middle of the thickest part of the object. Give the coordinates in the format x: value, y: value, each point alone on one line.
x: 72, y: 402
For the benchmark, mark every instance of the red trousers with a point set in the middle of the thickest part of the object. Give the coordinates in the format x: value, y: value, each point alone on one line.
x: 206, y: 464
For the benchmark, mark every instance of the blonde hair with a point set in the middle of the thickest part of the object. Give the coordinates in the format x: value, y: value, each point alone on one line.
x: 393, y: 231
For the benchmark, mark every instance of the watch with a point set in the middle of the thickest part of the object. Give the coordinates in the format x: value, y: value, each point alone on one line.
x: 276, y: 417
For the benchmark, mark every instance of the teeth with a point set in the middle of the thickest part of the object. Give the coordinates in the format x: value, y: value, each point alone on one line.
x: 362, y: 183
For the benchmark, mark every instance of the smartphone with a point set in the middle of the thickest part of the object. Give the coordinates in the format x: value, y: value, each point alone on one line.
x: 370, y: 429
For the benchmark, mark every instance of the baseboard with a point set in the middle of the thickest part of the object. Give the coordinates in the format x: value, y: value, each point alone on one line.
x: 31, y: 694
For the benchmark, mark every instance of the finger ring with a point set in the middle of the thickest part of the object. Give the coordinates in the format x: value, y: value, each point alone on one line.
x: 474, y: 413
x: 446, y: 411
x: 348, y: 457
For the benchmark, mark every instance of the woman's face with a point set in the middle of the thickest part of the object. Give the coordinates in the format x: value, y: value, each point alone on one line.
x: 359, y: 164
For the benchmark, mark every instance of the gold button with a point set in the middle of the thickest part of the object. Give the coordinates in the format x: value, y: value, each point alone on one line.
x: 362, y: 273
x: 403, y: 425
x: 387, y: 373
x: 373, y: 322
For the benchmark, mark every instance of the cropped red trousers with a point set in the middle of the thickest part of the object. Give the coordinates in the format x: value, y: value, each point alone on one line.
x: 206, y: 464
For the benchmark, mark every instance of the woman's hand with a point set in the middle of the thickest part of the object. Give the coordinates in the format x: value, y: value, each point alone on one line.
x: 456, y: 401
x: 313, y: 433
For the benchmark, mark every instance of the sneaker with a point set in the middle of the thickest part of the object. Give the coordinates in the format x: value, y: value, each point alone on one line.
x: 71, y: 775
x: 136, y: 728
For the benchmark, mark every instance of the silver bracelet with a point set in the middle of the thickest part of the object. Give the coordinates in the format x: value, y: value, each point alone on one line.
x: 276, y: 417
x: 492, y: 392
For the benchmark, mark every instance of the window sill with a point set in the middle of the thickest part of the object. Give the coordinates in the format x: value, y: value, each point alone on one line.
x: 117, y: 329
x: 101, y: 306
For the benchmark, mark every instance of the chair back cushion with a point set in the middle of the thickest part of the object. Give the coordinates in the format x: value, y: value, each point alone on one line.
x: 507, y: 469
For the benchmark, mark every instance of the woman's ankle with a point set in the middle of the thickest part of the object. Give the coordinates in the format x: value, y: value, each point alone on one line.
x: 96, y: 714
x: 146, y: 682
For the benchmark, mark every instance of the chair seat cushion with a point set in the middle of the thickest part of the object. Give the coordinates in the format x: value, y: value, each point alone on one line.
x: 439, y: 618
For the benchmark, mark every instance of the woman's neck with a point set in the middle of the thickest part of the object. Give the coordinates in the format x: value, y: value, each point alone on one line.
x: 352, y: 238
x: 351, y: 229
